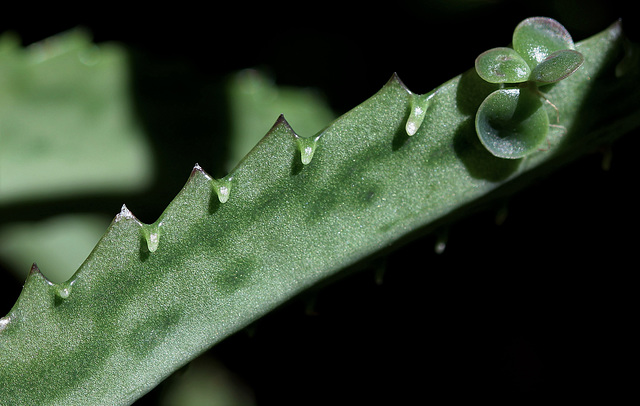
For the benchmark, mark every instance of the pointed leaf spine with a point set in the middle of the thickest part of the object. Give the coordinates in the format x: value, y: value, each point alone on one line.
x: 198, y: 169
x: 35, y: 272
x: 125, y: 213
x: 36, y: 278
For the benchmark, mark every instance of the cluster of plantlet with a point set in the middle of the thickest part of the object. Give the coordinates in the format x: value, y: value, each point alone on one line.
x: 511, y: 122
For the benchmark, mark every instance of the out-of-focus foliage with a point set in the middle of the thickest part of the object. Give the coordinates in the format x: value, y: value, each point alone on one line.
x: 67, y: 127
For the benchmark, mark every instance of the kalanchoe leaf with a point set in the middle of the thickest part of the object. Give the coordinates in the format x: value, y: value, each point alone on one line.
x: 538, y: 37
x: 557, y: 66
x: 511, y: 123
x: 133, y: 316
x: 502, y: 65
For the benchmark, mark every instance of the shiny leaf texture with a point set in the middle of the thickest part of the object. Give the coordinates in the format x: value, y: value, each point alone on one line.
x: 538, y: 37
x: 502, y: 65
x: 557, y: 66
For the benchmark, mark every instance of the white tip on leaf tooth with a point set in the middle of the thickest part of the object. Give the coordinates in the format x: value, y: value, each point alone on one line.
x: 419, y: 106
x: 223, y: 194
x: 307, y: 147
x: 151, y: 234
x: 63, y: 290
x: 125, y: 213
x: 222, y: 187
x: 412, y: 127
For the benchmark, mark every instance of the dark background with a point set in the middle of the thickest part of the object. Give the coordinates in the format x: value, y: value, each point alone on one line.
x: 535, y: 309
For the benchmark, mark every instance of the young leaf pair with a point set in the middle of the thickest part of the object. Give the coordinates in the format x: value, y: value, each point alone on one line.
x: 511, y: 122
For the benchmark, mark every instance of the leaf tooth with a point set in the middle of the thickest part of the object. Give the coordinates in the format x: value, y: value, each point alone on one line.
x: 197, y: 169
x: 36, y: 279
x: 419, y: 106
x: 151, y: 235
x: 222, y: 187
x: 35, y: 272
x: 281, y: 122
x: 307, y: 147
x: 4, y: 322
x: 36, y: 275
x: 125, y: 214
x: 395, y: 79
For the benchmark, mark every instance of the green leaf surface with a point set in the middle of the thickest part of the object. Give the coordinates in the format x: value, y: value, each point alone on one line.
x: 150, y: 298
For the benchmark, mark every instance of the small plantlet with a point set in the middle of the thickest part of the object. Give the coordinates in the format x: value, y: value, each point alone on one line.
x: 511, y: 122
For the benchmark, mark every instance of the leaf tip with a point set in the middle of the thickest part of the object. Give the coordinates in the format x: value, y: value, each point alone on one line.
x: 125, y: 214
x: 395, y: 80
x: 4, y: 322
x: 197, y: 169
x: 35, y: 272
x: 615, y: 29
x: 282, y: 122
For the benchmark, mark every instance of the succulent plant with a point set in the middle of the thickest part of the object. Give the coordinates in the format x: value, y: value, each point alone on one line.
x: 299, y: 209
x: 512, y: 122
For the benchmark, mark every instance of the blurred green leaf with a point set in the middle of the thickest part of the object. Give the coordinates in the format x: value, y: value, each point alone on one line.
x: 59, y: 244
x: 206, y: 382
x: 67, y: 126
